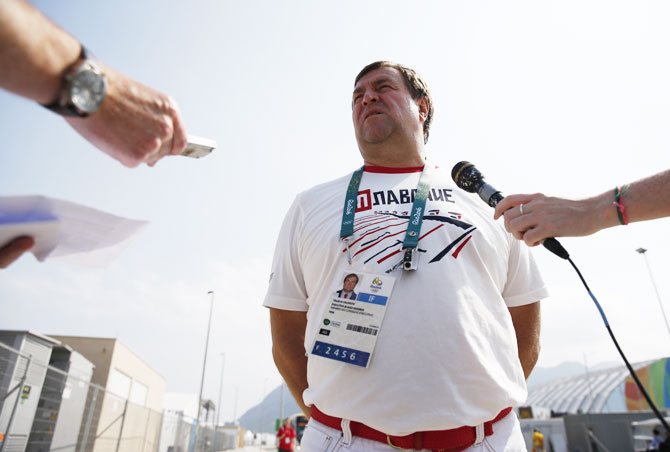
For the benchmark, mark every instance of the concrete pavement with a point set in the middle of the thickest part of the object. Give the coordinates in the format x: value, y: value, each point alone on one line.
x: 255, y: 448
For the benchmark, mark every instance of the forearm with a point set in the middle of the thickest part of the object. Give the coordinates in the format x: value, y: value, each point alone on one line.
x: 596, y: 213
x: 528, y: 356
x: 526, y: 321
x: 648, y: 198
x: 288, y: 351
x: 34, y: 52
x: 645, y: 199
x: 293, y: 368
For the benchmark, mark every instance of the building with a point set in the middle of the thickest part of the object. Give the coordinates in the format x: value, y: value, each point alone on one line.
x: 62, y: 402
x: 610, y: 390
x: 126, y: 415
x: 24, y: 356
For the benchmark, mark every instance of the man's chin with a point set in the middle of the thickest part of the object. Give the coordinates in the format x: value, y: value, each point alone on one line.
x: 378, y: 136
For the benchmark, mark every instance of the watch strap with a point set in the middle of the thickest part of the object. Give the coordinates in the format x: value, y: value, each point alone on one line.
x: 62, y: 104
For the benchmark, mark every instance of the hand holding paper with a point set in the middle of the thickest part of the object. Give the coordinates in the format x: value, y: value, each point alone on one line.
x: 62, y: 230
x: 14, y: 249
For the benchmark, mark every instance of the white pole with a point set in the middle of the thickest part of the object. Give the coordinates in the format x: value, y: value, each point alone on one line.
x: 235, y: 409
x: 204, y: 361
x: 643, y: 252
x: 223, y: 364
x: 281, y: 403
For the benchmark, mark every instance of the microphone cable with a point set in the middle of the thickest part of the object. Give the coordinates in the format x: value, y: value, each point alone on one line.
x: 623, y: 356
x: 467, y: 177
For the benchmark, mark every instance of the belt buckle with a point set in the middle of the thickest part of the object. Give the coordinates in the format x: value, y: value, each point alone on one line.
x: 388, y: 440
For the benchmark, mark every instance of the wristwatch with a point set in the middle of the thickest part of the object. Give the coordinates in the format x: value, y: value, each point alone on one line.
x: 83, y: 89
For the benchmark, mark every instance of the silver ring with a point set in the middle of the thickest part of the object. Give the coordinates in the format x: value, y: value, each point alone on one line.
x: 521, y: 208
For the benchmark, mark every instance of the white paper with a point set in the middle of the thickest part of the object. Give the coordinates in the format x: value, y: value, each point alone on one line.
x: 45, y: 233
x: 66, y: 231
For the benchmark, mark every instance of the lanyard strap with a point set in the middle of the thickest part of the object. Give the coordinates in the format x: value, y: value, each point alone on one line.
x: 416, y: 215
x: 347, y: 229
x: 418, y: 208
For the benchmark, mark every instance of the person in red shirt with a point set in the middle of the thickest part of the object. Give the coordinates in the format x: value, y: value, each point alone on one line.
x: 286, y: 435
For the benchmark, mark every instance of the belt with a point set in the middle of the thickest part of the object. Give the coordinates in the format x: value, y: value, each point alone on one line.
x: 454, y: 439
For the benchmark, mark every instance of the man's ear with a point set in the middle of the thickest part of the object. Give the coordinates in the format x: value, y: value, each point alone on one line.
x: 424, y: 107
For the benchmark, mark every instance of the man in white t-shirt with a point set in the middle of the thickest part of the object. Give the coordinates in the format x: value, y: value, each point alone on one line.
x: 434, y: 352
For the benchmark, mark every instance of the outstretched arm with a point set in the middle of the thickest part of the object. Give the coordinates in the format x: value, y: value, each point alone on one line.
x: 135, y: 124
x: 544, y: 216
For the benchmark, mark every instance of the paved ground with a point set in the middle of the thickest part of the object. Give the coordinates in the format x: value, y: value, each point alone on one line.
x: 255, y: 448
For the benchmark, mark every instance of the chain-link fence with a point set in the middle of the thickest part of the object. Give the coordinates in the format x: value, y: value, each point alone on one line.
x: 180, y: 434
x: 46, y: 408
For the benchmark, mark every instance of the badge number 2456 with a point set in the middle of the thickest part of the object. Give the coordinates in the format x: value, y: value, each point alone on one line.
x: 339, y: 353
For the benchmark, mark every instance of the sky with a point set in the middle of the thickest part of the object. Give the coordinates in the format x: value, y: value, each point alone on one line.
x: 565, y: 97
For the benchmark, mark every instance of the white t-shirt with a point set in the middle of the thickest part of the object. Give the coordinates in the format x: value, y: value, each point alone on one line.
x: 446, y: 355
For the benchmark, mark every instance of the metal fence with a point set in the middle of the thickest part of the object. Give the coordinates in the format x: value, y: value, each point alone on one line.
x: 44, y: 408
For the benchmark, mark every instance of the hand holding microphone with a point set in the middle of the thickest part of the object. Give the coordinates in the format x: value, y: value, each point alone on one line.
x: 533, y: 218
x: 536, y: 217
x: 470, y: 179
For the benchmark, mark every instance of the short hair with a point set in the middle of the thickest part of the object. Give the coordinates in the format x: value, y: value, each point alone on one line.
x: 415, y: 84
x: 351, y: 274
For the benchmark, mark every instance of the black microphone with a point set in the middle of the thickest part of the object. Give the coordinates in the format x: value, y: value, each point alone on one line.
x: 470, y: 179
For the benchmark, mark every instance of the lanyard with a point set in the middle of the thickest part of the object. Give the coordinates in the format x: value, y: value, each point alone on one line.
x: 415, y: 218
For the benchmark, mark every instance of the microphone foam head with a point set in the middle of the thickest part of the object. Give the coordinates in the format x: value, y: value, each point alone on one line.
x: 456, y: 170
x: 467, y: 176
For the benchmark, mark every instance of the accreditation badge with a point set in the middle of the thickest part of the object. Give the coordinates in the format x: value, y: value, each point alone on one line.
x: 349, y: 328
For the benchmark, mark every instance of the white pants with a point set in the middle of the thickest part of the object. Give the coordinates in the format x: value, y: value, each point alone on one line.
x: 506, y: 437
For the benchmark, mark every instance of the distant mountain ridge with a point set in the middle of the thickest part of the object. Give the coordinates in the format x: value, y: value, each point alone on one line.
x: 263, y: 417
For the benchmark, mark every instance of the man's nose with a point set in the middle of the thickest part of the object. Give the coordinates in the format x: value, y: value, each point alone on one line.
x: 369, y: 97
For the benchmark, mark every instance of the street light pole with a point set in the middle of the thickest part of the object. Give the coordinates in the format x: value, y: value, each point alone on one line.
x: 223, y: 364
x: 260, y: 429
x: 204, y: 361
x: 643, y: 252
x: 235, y: 409
x: 281, y: 403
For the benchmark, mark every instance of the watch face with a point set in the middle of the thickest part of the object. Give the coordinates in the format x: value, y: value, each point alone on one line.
x: 88, y: 90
